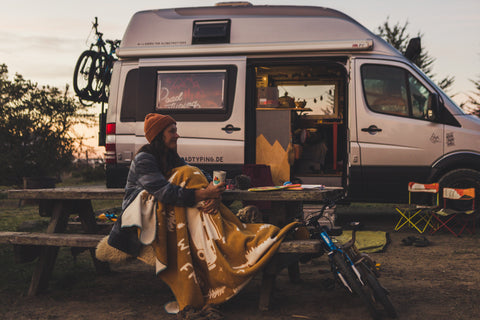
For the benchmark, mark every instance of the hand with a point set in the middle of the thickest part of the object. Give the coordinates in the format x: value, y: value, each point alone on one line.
x: 210, y: 206
x: 214, y: 191
x: 210, y: 192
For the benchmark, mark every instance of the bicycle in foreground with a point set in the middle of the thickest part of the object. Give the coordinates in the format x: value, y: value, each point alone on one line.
x: 354, y: 270
x: 93, y: 70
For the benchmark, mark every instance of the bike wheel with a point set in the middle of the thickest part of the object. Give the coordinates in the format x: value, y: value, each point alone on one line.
x: 379, y: 292
x: 81, y: 74
x: 346, y: 271
x: 96, y: 75
x: 106, y: 79
x: 100, y: 76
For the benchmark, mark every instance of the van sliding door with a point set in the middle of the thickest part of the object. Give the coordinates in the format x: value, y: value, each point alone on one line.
x: 206, y: 96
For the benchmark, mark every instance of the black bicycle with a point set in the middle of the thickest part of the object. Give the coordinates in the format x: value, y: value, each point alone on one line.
x: 93, y: 71
x: 356, y: 271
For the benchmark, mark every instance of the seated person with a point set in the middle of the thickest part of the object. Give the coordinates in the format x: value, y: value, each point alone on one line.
x: 174, y: 220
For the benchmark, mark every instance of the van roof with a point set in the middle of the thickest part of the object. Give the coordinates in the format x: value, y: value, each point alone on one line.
x: 253, y: 29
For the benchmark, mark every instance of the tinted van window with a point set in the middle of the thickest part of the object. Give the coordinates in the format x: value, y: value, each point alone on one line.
x: 203, y: 93
x: 129, y: 98
x: 385, y: 89
x: 186, y: 90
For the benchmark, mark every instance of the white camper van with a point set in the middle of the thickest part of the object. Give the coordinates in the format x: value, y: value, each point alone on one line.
x: 306, y: 90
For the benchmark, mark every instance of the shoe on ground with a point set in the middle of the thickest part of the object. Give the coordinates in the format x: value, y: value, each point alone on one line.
x: 190, y: 313
x: 211, y: 312
x: 421, y: 242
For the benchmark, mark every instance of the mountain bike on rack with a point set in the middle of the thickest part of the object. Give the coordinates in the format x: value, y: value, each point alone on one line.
x: 93, y: 70
x: 354, y: 270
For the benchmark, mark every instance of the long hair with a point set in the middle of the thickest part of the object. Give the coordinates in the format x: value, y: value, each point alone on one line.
x: 167, y: 159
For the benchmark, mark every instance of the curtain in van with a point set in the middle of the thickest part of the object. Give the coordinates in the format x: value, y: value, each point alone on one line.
x: 208, y: 258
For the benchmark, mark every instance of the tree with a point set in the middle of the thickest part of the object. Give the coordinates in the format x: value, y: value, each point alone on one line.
x: 474, y: 100
x: 398, y: 37
x: 35, y: 128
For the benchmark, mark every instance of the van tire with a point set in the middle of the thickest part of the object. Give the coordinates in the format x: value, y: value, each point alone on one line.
x: 462, y: 178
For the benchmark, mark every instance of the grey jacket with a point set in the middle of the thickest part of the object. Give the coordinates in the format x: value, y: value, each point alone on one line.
x: 145, y: 174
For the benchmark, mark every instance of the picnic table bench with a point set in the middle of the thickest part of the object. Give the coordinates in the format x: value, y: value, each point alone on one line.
x: 60, y: 203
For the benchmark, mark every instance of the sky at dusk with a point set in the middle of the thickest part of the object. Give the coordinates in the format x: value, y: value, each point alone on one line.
x: 42, y: 40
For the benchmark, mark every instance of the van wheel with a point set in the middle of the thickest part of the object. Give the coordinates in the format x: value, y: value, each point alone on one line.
x: 462, y: 178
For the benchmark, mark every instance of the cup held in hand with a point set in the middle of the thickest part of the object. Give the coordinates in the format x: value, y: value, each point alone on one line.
x: 219, y: 177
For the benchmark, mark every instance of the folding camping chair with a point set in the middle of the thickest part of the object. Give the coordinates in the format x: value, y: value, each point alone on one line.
x: 457, y: 213
x: 422, y: 199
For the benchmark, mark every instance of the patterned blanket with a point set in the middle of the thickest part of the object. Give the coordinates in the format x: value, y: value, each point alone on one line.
x: 206, y: 258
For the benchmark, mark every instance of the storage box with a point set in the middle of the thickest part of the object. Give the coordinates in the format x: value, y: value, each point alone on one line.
x: 267, y: 97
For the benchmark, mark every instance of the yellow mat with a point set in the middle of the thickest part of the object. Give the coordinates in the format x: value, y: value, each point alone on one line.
x: 366, y: 241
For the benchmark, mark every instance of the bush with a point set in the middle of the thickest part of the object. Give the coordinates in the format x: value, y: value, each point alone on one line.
x: 35, y: 129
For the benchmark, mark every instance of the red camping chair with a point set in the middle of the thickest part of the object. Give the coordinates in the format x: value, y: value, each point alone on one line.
x: 453, y: 219
x: 422, y: 199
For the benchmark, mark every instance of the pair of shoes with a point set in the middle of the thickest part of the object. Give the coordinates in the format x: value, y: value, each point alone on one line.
x: 416, y: 241
x: 211, y: 312
x: 190, y: 313
x: 421, y: 242
x: 408, y: 241
x: 208, y: 312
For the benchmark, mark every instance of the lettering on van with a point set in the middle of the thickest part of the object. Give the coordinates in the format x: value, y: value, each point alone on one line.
x: 200, y: 159
x: 434, y: 138
x: 450, y: 139
x: 162, y: 43
x: 190, y: 89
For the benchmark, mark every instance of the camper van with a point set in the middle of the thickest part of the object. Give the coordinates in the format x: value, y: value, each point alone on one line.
x: 308, y: 91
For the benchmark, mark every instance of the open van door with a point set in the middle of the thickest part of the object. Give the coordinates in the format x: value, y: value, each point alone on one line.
x: 397, y: 134
x: 207, y: 98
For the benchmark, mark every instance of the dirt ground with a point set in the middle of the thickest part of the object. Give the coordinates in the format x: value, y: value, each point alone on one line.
x: 440, y: 281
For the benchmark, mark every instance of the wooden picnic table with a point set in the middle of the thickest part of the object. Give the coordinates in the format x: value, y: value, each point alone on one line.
x: 60, y: 203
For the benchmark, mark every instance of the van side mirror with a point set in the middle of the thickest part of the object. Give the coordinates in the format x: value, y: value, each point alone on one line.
x: 433, y: 108
x: 414, y: 49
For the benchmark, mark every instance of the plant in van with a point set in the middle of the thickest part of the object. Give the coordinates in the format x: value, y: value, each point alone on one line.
x: 36, y: 128
x: 399, y: 38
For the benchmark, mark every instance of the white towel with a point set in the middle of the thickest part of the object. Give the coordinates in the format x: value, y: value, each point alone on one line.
x: 141, y: 214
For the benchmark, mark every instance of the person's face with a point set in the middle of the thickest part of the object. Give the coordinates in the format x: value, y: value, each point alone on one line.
x: 170, y: 137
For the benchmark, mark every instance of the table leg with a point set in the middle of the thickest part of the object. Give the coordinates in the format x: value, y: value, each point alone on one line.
x: 48, y: 255
x: 335, y: 139
x: 87, y: 219
x: 268, y: 283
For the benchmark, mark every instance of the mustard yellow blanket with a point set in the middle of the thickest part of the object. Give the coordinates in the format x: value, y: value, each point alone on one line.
x: 208, y: 258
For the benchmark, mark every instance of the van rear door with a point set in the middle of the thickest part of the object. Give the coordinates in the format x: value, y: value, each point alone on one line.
x: 206, y: 95
x: 397, y: 142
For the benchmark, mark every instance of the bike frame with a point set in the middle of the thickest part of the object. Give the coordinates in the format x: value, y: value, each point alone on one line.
x: 332, y: 249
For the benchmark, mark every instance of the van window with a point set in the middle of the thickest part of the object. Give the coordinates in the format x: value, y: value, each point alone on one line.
x: 187, y: 93
x: 192, y: 89
x: 129, y: 98
x: 419, y: 96
x: 394, y: 91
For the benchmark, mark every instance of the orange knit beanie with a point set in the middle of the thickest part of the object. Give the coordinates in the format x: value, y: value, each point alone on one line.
x: 156, y: 123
